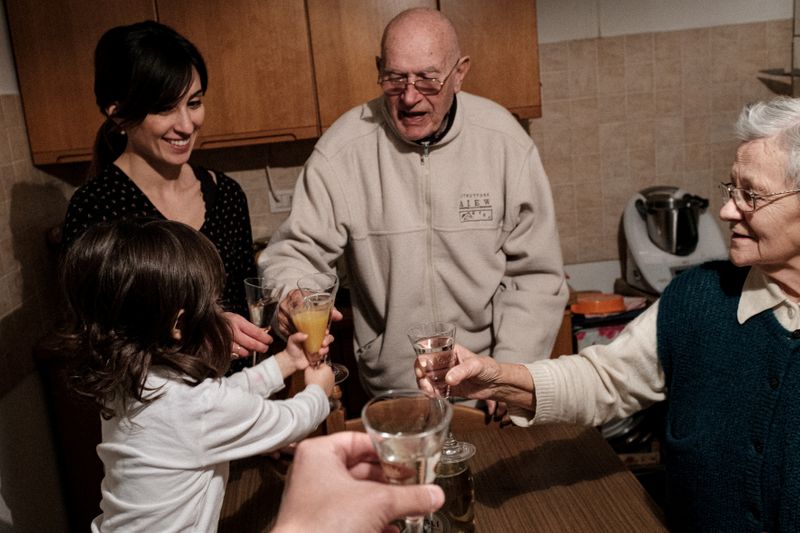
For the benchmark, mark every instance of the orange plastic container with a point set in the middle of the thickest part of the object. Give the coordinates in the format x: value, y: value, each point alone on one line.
x: 598, y: 303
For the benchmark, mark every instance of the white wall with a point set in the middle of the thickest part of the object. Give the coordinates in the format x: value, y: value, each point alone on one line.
x: 563, y: 20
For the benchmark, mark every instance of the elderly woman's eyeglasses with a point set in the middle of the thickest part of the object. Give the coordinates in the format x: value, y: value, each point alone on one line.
x: 747, y: 200
x: 393, y: 84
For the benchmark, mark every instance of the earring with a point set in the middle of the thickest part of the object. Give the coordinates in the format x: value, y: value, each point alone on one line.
x: 122, y: 132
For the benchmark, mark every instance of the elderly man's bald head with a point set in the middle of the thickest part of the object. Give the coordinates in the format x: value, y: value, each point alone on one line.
x: 420, y: 44
x: 423, y: 23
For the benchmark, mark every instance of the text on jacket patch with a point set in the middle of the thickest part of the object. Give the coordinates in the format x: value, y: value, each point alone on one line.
x: 475, y: 207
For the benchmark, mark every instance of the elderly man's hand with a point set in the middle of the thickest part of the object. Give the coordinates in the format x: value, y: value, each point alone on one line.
x: 283, y: 319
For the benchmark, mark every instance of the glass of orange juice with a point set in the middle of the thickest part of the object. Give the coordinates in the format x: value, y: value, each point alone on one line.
x: 310, y: 310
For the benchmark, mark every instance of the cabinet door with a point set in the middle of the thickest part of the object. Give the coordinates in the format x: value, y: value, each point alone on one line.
x: 257, y: 52
x: 346, y: 38
x: 53, y: 43
x: 500, y: 38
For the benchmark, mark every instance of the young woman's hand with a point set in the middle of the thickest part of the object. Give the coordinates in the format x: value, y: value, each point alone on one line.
x: 247, y: 337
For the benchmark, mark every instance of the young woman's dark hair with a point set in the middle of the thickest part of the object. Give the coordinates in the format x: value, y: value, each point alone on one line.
x: 140, y: 69
x: 129, y: 285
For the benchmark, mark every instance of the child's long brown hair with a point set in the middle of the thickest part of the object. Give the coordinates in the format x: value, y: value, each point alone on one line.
x: 128, y: 284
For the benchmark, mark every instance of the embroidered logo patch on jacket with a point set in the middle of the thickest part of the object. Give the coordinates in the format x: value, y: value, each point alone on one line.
x: 475, y: 207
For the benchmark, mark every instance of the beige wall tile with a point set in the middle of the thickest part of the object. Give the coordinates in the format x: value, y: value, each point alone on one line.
x: 640, y: 106
x: 641, y: 135
x: 697, y: 157
x: 777, y: 33
x: 667, y: 74
x: 639, y: 78
x: 610, y: 108
x: 614, y: 164
x: 611, y: 52
x: 583, y: 112
x: 583, y: 54
x: 639, y: 48
x: 669, y: 159
x: 696, y: 129
x: 694, y: 43
x: 553, y: 56
x: 667, y: 103
x: 555, y: 85
x: 668, y: 46
x: 642, y: 164
x: 611, y: 80
x: 583, y: 83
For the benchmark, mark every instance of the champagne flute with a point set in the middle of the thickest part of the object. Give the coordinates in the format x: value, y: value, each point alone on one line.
x: 407, y: 429
x: 310, y: 310
x: 263, y: 298
x: 433, y: 343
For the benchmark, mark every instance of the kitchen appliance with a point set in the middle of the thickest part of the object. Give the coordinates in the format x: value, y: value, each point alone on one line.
x: 666, y: 230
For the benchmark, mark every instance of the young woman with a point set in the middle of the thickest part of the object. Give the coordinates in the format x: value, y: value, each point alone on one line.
x: 150, y: 346
x: 149, y: 83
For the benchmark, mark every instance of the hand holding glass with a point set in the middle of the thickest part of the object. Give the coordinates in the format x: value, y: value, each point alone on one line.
x: 433, y: 343
x: 262, y: 302
x: 407, y: 429
x: 310, y: 309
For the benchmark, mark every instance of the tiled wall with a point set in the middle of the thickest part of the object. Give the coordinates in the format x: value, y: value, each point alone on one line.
x: 31, y: 201
x: 623, y: 113
x: 619, y: 114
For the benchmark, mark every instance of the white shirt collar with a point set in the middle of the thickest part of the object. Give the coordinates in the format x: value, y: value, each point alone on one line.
x: 759, y: 294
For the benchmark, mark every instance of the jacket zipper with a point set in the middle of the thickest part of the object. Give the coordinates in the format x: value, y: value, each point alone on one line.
x: 425, y: 162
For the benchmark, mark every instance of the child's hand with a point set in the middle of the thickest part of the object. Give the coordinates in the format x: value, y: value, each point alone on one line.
x: 294, y: 348
x: 296, y: 351
x: 322, y: 375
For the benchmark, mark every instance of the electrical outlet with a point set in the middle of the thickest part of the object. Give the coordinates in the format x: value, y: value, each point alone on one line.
x: 283, y: 203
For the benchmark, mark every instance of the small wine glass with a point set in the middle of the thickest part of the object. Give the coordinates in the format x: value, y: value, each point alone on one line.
x: 433, y: 343
x: 263, y: 298
x: 407, y: 429
x: 311, y: 313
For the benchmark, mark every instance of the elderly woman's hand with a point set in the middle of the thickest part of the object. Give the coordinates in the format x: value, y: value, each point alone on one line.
x: 473, y: 377
x: 483, y: 378
x: 247, y: 337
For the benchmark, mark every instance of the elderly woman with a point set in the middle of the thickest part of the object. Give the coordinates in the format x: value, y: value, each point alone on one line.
x: 722, y: 345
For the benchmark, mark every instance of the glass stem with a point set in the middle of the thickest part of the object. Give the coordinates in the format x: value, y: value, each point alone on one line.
x: 414, y: 524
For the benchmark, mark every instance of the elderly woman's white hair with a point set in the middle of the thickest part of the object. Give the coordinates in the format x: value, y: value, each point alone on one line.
x: 778, y: 118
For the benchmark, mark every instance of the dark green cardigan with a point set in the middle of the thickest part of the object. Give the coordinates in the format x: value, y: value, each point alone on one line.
x: 732, y: 435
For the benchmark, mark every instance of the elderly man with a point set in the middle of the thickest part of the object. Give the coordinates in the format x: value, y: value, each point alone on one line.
x: 433, y: 205
x: 721, y: 344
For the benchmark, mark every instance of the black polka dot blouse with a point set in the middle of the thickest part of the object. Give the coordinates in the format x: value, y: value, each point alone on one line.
x: 113, y: 195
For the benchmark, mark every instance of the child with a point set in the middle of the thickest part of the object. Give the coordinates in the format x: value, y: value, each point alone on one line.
x: 151, y: 346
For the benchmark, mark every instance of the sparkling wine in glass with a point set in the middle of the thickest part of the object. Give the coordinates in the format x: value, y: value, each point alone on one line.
x: 407, y: 429
x: 433, y: 343
x: 263, y: 298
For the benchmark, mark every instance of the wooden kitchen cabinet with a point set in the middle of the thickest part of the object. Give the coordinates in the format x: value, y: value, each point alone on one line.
x: 499, y: 36
x: 261, y: 85
x: 279, y: 70
x: 346, y: 38
x: 53, y: 43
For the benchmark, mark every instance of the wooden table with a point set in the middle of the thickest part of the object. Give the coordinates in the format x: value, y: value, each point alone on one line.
x: 554, y: 478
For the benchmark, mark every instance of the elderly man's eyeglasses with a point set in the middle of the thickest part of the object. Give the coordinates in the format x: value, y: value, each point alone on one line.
x: 393, y: 84
x: 745, y: 199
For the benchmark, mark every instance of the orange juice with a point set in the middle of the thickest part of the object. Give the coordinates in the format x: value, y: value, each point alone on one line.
x: 313, y: 322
